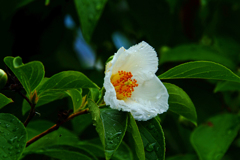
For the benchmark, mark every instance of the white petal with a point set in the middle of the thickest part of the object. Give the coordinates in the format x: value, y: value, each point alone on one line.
x: 140, y: 59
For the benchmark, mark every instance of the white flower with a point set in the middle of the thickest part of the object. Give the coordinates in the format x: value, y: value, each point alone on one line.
x: 131, y: 84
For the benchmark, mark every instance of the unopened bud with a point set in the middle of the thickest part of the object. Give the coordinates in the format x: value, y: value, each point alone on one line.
x: 3, y: 78
x: 34, y: 97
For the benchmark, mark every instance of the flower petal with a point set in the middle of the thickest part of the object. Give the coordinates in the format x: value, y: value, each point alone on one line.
x: 141, y: 60
x: 152, y: 99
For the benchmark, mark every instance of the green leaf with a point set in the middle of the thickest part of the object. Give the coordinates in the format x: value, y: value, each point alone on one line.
x: 66, y: 152
x: 89, y: 13
x: 211, y: 140
x: 4, y: 100
x: 111, y: 126
x: 76, y: 96
x: 153, y: 139
x: 122, y: 153
x: 180, y: 103
x: 133, y: 128
x: 227, y: 86
x: 80, y: 123
x: 94, y: 94
x: 183, y: 157
x: 202, y: 70
x: 195, y: 52
x: 13, y: 137
x: 63, y: 81
x: 30, y: 75
x: 61, y: 136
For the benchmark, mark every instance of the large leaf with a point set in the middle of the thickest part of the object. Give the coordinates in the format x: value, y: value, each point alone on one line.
x: 30, y: 75
x: 211, y: 140
x: 13, y: 137
x: 66, y: 152
x: 202, y: 70
x: 122, y: 153
x: 4, y: 100
x: 111, y: 126
x: 133, y: 128
x: 227, y: 86
x: 195, y: 52
x: 63, y: 81
x: 153, y: 139
x: 180, y: 103
x: 89, y: 12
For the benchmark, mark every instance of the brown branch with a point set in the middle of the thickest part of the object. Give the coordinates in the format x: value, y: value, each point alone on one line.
x: 56, y: 126
x: 32, y: 111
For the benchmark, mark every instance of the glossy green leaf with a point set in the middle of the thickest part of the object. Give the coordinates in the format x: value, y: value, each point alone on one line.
x: 80, y: 123
x: 122, y: 153
x: 180, y: 103
x: 94, y: 94
x: 111, y: 126
x: 133, y: 128
x: 201, y: 70
x: 211, y: 140
x: 66, y: 152
x: 61, y: 136
x: 183, y: 157
x: 153, y: 139
x: 13, y: 137
x: 65, y: 80
x: 89, y: 13
x: 227, y: 86
x: 76, y: 96
x: 30, y: 75
x: 195, y: 52
x: 4, y: 100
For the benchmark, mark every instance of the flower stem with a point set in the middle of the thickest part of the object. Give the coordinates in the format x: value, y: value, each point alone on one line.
x: 56, y: 126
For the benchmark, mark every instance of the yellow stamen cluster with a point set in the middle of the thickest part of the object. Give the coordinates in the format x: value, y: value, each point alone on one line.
x: 123, y: 84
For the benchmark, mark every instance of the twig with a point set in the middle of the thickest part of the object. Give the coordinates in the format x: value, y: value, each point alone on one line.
x: 32, y: 111
x: 56, y: 126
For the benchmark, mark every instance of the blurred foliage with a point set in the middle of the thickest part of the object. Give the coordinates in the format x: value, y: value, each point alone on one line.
x: 81, y: 35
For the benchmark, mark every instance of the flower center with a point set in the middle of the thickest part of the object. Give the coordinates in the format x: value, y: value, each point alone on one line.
x: 123, y: 84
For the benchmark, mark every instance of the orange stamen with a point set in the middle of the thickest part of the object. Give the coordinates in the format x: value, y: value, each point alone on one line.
x: 123, y: 84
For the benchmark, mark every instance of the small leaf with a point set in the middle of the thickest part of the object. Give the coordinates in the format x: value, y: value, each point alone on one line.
x: 227, y: 86
x: 195, y: 52
x: 153, y: 139
x: 30, y: 75
x: 180, y: 103
x: 211, y: 140
x: 76, y: 96
x: 65, y: 80
x: 133, y: 128
x: 89, y: 13
x: 111, y: 126
x: 4, y: 100
x: 202, y: 70
x: 13, y: 137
